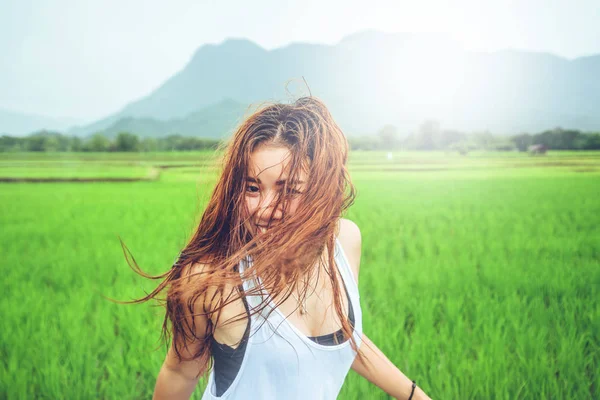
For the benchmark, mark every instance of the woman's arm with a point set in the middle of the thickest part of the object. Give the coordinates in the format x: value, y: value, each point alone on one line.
x: 381, y: 372
x: 177, y: 379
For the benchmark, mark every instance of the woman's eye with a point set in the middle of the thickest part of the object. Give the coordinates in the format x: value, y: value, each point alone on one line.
x: 293, y: 192
x: 250, y: 187
x: 255, y: 189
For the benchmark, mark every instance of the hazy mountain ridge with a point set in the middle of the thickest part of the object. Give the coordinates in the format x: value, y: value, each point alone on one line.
x: 19, y: 124
x: 215, y: 121
x: 370, y: 79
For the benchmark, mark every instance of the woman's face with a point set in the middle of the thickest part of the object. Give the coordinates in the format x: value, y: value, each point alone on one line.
x: 267, y: 170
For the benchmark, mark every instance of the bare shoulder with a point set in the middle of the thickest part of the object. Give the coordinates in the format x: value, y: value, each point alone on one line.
x: 351, y: 240
x: 195, y: 305
x: 193, y: 321
x: 195, y: 272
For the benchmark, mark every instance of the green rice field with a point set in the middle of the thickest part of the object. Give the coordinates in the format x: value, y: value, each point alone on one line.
x: 480, y: 274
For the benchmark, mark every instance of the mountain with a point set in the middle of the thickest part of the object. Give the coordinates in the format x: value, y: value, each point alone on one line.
x: 215, y: 121
x: 371, y: 78
x: 20, y: 124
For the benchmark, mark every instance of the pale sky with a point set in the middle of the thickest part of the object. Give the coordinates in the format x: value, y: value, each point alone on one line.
x: 86, y: 59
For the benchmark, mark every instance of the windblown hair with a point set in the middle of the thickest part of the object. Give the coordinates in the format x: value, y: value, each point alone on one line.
x: 285, y: 254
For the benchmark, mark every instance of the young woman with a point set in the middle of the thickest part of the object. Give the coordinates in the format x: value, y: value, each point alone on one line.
x: 266, y: 290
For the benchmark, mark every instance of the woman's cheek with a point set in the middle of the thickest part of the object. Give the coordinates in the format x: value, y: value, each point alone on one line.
x: 250, y: 204
x: 253, y: 203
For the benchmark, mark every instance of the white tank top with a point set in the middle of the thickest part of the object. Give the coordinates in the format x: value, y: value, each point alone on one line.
x: 286, y: 364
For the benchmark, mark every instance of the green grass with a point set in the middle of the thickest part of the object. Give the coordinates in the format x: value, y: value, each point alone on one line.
x: 479, y: 279
x: 73, y: 171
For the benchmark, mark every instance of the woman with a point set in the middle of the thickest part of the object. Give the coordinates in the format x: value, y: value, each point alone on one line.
x: 266, y: 289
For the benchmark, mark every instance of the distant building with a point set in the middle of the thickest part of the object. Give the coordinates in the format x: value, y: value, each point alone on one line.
x: 537, y: 149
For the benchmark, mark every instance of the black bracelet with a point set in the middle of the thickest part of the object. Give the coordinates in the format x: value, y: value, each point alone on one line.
x: 414, y: 385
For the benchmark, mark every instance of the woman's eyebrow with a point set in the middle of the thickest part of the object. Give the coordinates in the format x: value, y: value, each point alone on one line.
x: 280, y: 182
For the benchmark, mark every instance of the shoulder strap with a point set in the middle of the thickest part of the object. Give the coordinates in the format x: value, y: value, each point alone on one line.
x: 249, y: 283
x: 345, y: 268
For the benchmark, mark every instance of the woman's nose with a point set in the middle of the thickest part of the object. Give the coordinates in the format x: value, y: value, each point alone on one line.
x: 267, y: 208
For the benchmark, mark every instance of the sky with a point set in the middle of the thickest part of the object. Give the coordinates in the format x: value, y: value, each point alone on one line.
x: 85, y: 59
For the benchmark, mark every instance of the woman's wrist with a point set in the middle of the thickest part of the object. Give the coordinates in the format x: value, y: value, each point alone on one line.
x: 420, y: 394
x: 417, y: 393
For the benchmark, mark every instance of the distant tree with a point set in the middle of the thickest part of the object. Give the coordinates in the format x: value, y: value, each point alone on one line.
x: 171, y: 142
x: 52, y: 143
x: 461, y: 147
x: 35, y: 143
x: 592, y: 141
x: 446, y: 138
x: 364, y: 143
x: 44, y: 141
x: 427, y: 135
x: 559, y: 139
x: 484, y: 140
x: 388, y: 135
x: 126, y: 141
x: 75, y: 144
x: 98, y: 142
x: 10, y: 143
x: 189, y: 143
x: 149, y: 144
x: 568, y: 138
x: 522, y: 141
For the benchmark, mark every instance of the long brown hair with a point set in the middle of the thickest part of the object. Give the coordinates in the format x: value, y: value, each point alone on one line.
x: 285, y: 253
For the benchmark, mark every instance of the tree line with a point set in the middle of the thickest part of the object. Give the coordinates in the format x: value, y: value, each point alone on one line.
x: 124, y: 141
x: 429, y: 136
